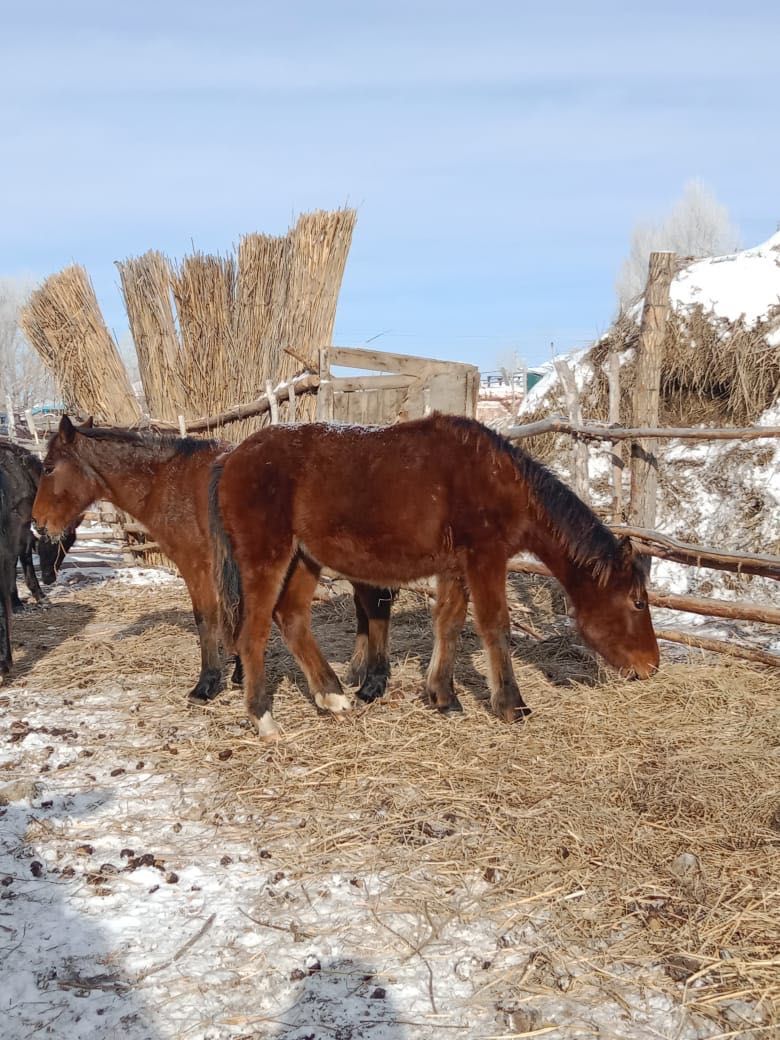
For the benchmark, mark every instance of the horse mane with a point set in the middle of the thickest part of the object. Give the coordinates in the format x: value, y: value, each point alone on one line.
x: 586, y: 540
x: 29, y: 461
x: 166, y: 445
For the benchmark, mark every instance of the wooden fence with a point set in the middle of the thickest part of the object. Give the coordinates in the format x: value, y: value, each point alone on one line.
x: 641, y: 512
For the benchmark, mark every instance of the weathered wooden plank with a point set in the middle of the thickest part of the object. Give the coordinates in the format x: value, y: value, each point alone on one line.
x: 647, y: 386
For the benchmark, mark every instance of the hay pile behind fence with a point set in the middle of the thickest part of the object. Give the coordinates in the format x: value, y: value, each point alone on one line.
x: 62, y: 321
x: 716, y: 372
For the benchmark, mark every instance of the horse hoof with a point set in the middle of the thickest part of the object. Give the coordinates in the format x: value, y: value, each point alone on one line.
x: 514, y: 713
x: 335, y: 703
x: 453, y: 707
x: 374, y: 686
x: 267, y: 729
x: 203, y: 693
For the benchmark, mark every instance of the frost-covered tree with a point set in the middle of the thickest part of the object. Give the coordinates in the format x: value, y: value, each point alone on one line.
x: 23, y: 376
x: 697, y: 225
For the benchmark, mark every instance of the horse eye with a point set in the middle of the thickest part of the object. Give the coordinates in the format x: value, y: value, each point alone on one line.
x: 640, y: 604
x: 48, y: 470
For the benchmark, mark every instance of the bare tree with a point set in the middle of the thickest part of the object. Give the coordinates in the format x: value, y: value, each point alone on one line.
x: 697, y: 225
x: 23, y: 376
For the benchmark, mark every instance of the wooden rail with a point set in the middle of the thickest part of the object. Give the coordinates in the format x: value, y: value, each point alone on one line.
x: 603, y: 432
x: 652, y: 543
x: 736, y: 610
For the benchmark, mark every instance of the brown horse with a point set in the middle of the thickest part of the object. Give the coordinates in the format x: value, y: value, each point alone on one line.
x: 163, y: 482
x: 440, y: 496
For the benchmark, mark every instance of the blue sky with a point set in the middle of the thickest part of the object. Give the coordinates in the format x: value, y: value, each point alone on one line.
x: 499, y: 153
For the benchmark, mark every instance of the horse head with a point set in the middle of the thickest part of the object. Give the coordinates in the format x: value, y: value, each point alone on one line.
x: 68, y: 483
x: 613, y: 616
x: 52, y: 551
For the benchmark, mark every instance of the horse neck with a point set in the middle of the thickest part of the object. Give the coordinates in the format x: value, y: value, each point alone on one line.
x: 129, y: 474
x: 543, y: 542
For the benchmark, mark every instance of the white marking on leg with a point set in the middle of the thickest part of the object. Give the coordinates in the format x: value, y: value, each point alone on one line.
x: 334, y: 702
x: 266, y: 727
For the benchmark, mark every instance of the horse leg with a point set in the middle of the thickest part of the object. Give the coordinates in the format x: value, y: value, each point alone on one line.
x: 358, y: 665
x: 292, y: 614
x: 237, y: 678
x: 376, y: 605
x: 7, y: 583
x: 211, y: 660
x: 262, y: 583
x: 6, y: 658
x: 28, y: 568
x: 448, y: 617
x: 487, y: 582
x: 16, y: 604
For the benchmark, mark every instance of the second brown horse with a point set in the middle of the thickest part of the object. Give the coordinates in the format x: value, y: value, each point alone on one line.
x: 440, y: 496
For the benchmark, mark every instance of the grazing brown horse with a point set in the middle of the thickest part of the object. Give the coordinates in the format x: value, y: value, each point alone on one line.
x: 440, y: 496
x: 163, y: 482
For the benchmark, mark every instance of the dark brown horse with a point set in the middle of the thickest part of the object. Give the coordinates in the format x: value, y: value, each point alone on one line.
x: 163, y: 482
x: 440, y: 496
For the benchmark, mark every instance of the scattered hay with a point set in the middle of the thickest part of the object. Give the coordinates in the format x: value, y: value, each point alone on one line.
x: 62, y: 321
x: 628, y: 825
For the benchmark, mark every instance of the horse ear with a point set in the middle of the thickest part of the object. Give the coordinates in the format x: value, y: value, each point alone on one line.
x: 625, y: 549
x: 67, y: 430
x: 88, y: 423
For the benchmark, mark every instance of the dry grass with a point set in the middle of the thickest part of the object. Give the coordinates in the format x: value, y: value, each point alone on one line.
x: 63, y: 322
x: 633, y: 825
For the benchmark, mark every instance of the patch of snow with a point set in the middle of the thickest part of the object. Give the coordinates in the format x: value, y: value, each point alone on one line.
x: 739, y: 285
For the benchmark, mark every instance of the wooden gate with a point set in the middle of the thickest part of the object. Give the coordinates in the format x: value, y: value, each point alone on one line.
x: 412, y: 386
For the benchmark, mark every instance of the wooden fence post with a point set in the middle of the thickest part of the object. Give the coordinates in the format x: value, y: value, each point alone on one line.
x: 616, y: 448
x: 272, y: 402
x: 325, y: 389
x: 579, y: 447
x: 9, y: 408
x: 29, y: 419
x: 644, y: 464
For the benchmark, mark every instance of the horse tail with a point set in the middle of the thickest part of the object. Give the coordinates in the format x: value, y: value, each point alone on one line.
x: 227, y: 578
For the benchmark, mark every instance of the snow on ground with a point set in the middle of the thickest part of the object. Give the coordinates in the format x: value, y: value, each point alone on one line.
x: 134, y: 903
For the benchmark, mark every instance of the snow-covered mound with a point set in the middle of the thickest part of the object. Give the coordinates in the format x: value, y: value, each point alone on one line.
x: 721, y: 368
x: 740, y: 285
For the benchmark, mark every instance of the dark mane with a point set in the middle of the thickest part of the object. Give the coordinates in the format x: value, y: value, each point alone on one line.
x: 167, y: 444
x: 28, y: 459
x: 585, y: 538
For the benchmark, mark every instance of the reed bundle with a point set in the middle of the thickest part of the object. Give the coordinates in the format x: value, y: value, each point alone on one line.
x: 260, y: 300
x: 211, y: 331
x: 62, y: 321
x: 146, y: 286
x: 204, y: 290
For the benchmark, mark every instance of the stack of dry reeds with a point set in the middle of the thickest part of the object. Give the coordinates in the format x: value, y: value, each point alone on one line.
x: 63, y: 323
x: 146, y: 285
x: 238, y: 322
